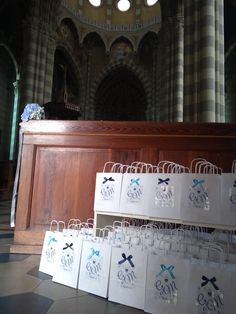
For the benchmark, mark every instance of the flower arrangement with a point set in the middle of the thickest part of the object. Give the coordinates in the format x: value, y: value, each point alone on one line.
x: 32, y: 112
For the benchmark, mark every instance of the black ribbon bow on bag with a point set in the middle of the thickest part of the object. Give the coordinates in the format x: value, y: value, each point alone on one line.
x: 160, y: 181
x: 107, y: 179
x: 126, y: 259
x: 68, y: 246
x: 207, y: 280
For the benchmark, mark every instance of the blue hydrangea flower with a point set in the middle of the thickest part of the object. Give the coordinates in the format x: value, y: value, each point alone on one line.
x: 32, y: 112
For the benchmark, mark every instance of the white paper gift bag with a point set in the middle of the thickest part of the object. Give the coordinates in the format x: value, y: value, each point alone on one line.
x: 135, y: 192
x: 207, y: 290
x: 50, y: 247
x: 228, y: 197
x: 229, y: 299
x: 200, y: 194
x: 165, y: 188
x: 68, y: 260
x: 210, y: 288
x: 128, y: 276
x: 108, y: 188
x: 95, y: 266
x: 165, y: 283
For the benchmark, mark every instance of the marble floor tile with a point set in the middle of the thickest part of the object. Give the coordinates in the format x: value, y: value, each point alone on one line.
x: 14, y: 269
x: 24, y: 303
x: 57, y: 291
x: 33, y: 259
x: 17, y: 284
x: 7, y: 257
x: 87, y: 304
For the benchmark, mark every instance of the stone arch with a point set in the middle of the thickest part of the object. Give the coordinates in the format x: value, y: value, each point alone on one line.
x: 93, y: 34
x: 137, y: 72
x: 150, y: 36
x: 68, y: 33
x: 119, y: 38
x: 121, y: 50
x: 12, y: 58
x: 146, y: 50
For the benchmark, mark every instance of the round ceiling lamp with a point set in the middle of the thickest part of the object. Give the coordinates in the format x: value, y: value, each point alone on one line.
x: 151, y: 2
x: 96, y: 3
x: 123, y: 5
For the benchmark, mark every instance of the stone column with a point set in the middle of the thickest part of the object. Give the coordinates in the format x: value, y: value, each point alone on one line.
x: 204, y: 61
x: 171, y: 74
x: 38, y: 54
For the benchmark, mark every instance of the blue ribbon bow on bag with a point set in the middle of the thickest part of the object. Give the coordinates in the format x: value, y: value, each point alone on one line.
x: 94, y: 252
x: 126, y: 259
x: 197, y: 182
x: 207, y: 280
x: 135, y: 181
x: 51, y: 239
x: 168, y: 269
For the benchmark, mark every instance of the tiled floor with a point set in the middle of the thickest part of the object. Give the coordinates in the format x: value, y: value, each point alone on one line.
x: 25, y: 290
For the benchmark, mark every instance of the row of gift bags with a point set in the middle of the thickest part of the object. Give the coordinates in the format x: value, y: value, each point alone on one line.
x: 200, y: 193
x: 157, y: 270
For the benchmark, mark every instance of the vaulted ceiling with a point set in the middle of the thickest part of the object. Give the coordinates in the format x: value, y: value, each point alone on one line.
x: 110, y: 12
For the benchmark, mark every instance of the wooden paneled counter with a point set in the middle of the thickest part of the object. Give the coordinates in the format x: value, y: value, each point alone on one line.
x: 60, y: 159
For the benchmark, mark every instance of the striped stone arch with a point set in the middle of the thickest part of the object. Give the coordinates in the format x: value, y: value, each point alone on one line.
x: 140, y: 74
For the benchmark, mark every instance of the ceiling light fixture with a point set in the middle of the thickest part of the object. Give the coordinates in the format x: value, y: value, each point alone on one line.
x: 123, y: 5
x: 95, y: 3
x: 151, y: 2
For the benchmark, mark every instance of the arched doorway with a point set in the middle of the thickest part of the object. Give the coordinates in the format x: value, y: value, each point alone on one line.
x: 120, y: 96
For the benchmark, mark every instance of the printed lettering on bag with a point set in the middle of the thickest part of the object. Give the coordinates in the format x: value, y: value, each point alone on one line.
x: 209, y: 299
x: 94, y: 264
x: 165, y: 284
x: 164, y: 193
x: 232, y: 196
x: 126, y: 271
x: 198, y: 195
x: 50, y: 251
x: 107, y: 191
x: 67, y: 258
x: 134, y: 191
